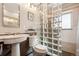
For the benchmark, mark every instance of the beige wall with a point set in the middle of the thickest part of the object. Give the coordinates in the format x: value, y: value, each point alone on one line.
x: 69, y: 36
x: 6, y: 29
x: 24, y: 22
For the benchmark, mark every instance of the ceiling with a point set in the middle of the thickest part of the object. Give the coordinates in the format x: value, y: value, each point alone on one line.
x: 64, y: 5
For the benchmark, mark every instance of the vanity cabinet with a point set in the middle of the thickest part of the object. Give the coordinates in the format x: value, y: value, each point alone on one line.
x: 24, y: 47
x: 6, y: 49
x: 1, y: 48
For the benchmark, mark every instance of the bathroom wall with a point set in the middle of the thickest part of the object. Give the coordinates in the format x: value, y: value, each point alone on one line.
x: 24, y: 22
x: 6, y: 29
x: 69, y: 36
x: 30, y: 24
x: 77, y: 40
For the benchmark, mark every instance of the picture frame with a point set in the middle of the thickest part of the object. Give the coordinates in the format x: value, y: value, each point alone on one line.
x: 10, y: 19
x: 30, y: 16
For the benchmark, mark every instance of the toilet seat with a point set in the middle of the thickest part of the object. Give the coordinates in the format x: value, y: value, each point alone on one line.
x: 40, y: 48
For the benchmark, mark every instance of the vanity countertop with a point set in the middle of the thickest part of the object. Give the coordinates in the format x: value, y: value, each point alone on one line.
x: 10, y: 39
x: 12, y: 36
x: 2, y: 34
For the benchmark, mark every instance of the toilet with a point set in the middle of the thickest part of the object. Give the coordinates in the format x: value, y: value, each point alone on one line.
x: 38, y: 49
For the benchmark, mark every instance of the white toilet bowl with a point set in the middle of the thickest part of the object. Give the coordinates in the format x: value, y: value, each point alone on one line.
x: 38, y: 48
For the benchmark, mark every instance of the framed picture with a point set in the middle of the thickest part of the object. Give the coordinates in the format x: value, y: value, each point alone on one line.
x: 11, y: 15
x: 30, y: 16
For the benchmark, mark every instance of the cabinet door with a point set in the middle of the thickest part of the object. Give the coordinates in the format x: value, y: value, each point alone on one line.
x: 1, y: 48
x: 24, y: 46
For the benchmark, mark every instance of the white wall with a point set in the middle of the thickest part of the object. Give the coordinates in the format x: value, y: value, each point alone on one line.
x: 69, y: 36
x: 77, y: 41
x: 28, y: 23
x: 24, y: 22
x: 6, y: 29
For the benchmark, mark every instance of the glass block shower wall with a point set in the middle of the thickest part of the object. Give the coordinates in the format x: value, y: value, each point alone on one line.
x: 50, y: 28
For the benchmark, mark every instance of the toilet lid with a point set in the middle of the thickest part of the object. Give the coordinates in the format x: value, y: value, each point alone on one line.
x: 40, y: 48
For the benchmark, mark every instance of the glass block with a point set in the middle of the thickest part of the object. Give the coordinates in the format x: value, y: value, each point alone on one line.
x: 55, y: 41
x: 45, y: 44
x: 59, y: 41
x: 41, y: 30
x: 49, y: 25
x: 41, y: 34
x: 50, y: 30
x: 41, y: 43
x: 60, y: 48
x: 41, y: 38
x: 45, y: 39
x: 56, y: 25
x: 55, y: 47
x: 45, y: 34
x: 41, y: 7
x: 55, y: 30
x: 45, y: 25
x: 50, y: 45
x: 60, y: 54
x: 56, y: 36
x: 50, y: 40
x: 60, y: 25
x: 50, y: 50
x: 49, y: 35
x: 55, y: 52
x: 45, y: 30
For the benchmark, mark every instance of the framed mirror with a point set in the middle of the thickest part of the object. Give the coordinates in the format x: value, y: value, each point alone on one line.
x: 11, y: 15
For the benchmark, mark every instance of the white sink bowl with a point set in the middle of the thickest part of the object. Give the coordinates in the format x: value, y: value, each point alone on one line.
x: 11, y: 39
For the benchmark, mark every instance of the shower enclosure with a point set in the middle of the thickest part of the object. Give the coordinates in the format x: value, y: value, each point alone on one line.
x: 50, y: 27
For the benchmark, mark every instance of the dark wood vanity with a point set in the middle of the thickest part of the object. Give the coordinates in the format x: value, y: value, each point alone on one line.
x: 24, y: 47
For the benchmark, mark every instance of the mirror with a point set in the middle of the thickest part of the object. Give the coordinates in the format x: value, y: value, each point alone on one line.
x: 11, y: 15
